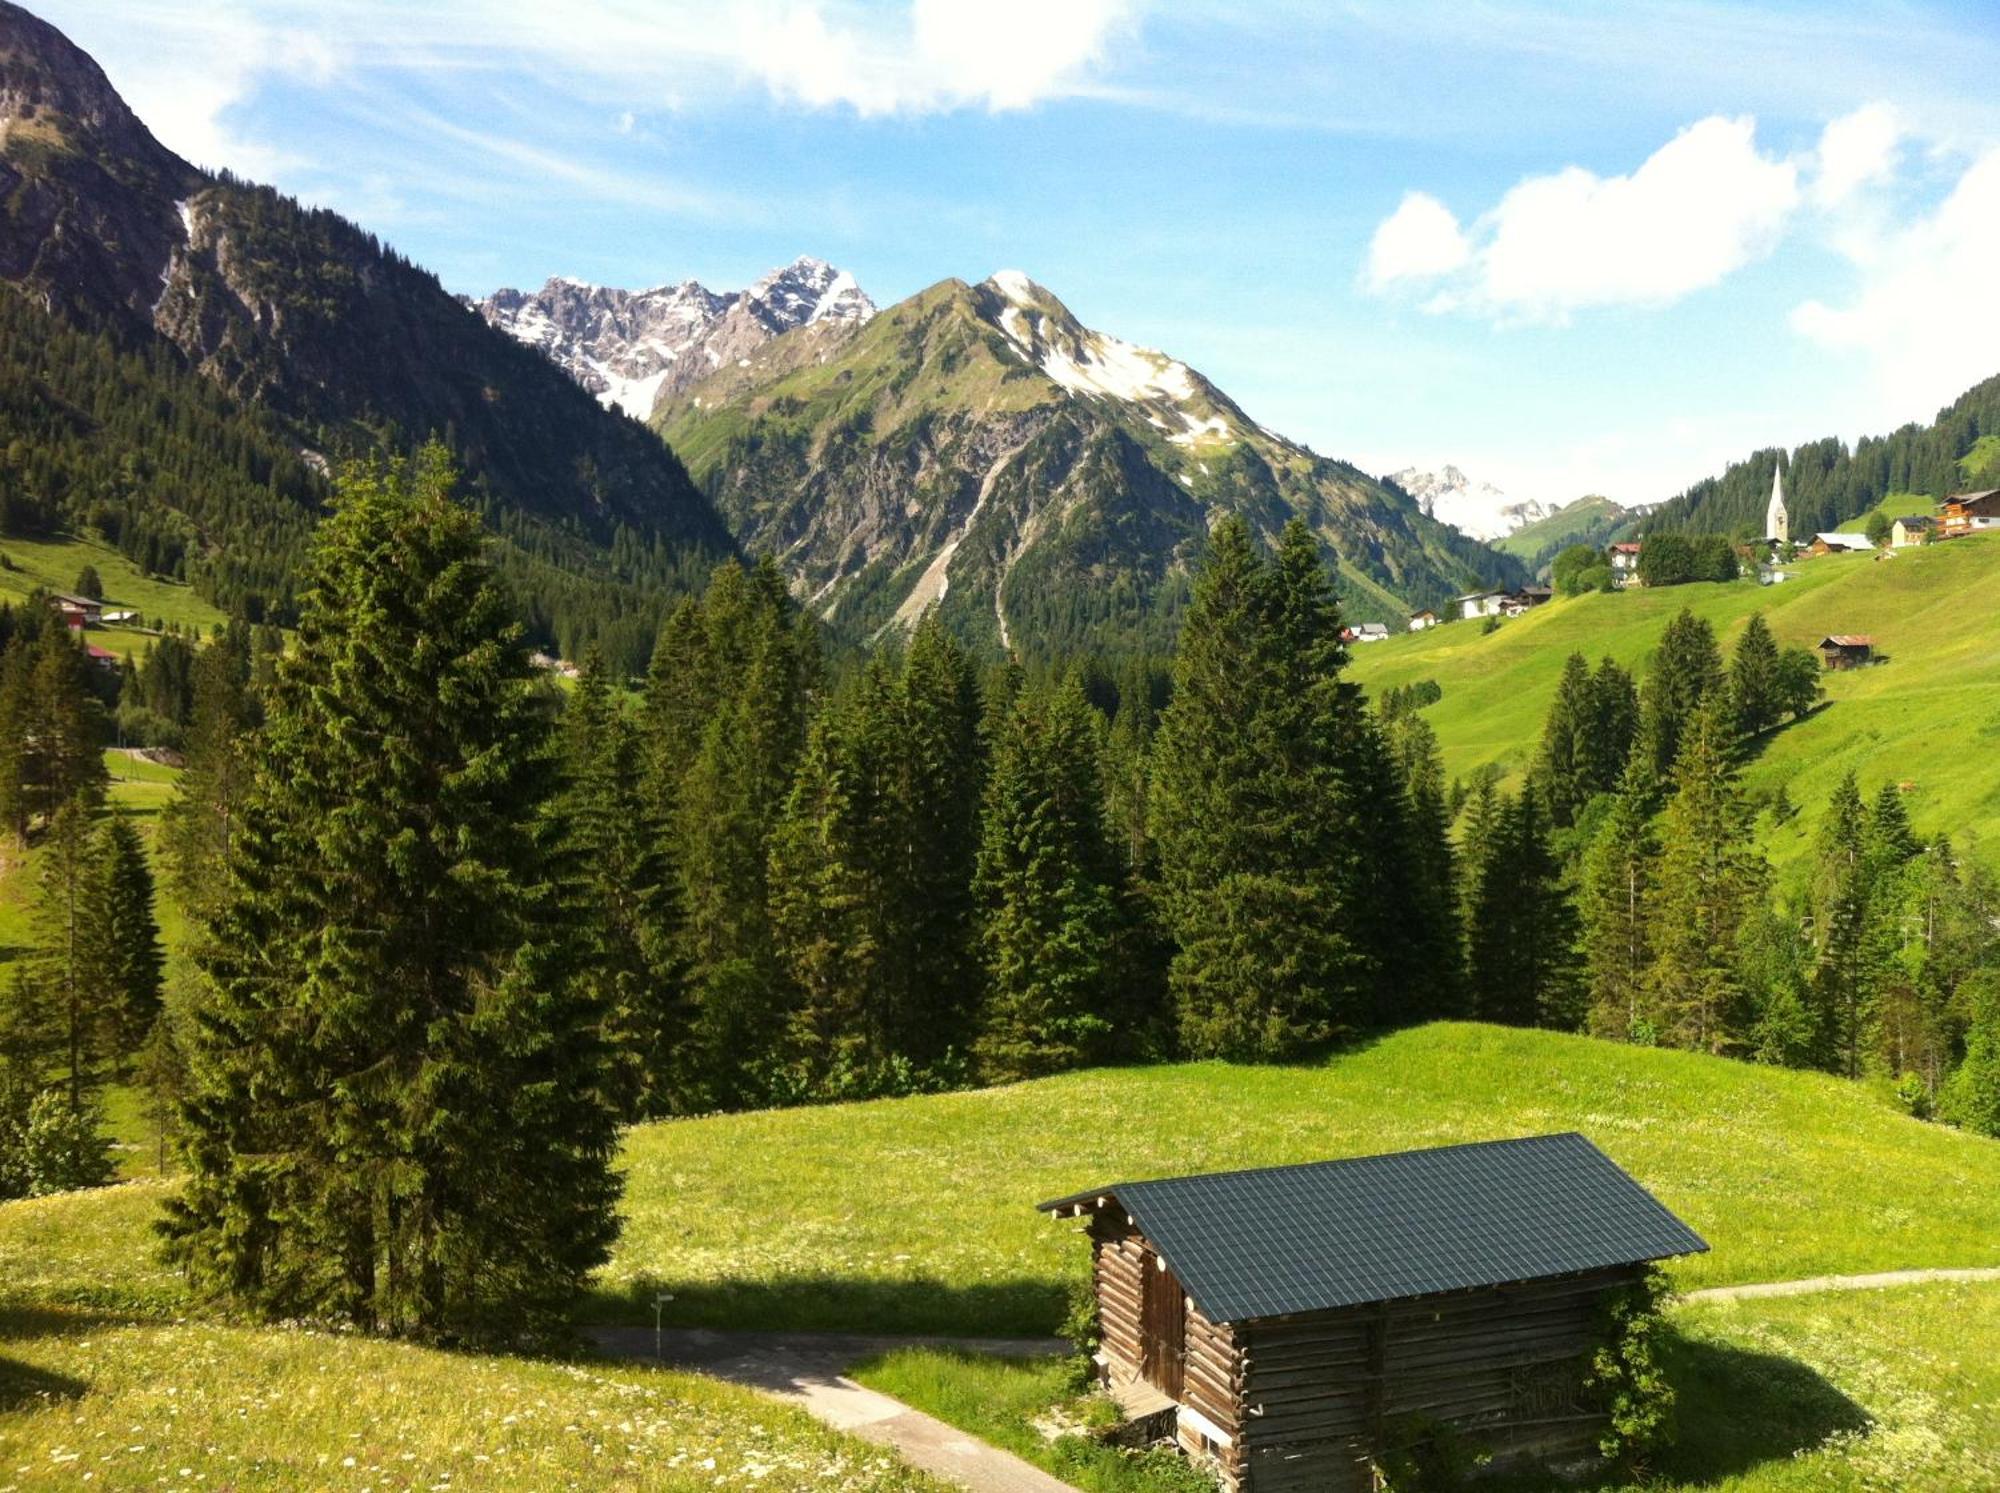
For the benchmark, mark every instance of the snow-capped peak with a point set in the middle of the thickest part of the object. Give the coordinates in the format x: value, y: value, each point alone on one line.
x: 1014, y: 285
x: 1475, y: 508
x: 629, y: 347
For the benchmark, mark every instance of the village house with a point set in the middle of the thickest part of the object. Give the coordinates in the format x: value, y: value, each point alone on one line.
x: 1366, y: 632
x: 1525, y: 599
x: 1288, y: 1325
x: 1625, y: 561
x: 1970, y: 512
x: 1421, y: 621
x: 78, y: 611
x: 1847, y: 650
x: 1836, y: 544
x: 1481, y: 604
x: 1911, y: 529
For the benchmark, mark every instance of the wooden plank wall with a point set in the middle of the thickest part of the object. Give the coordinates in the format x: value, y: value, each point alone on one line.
x: 1118, y: 1258
x: 1503, y: 1364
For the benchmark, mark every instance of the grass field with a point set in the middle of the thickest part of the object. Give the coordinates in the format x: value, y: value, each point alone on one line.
x: 54, y: 564
x: 1890, y: 1389
x: 918, y: 1214
x: 1928, y: 717
x: 102, y: 1383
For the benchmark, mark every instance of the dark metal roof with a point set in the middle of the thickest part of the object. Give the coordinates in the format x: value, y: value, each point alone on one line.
x: 1289, y: 1239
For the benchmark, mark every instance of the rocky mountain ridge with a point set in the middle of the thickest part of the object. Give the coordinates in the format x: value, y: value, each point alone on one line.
x: 1473, y: 507
x: 633, y: 347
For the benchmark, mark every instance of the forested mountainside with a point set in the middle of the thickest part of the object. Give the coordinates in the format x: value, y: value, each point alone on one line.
x: 320, y: 337
x: 977, y: 447
x: 1827, y: 483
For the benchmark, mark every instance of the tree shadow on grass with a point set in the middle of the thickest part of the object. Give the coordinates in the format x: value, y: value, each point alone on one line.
x: 1737, y: 1408
x: 25, y: 1387
x: 1009, y: 1308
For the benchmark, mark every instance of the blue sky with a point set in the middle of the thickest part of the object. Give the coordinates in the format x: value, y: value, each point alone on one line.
x: 1569, y: 247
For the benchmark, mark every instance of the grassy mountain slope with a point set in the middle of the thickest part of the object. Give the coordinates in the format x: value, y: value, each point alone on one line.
x: 1592, y: 521
x: 1927, y: 717
x: 978, y: 448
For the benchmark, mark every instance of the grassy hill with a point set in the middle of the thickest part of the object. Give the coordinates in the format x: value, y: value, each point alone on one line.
x: 1926, y: 718
x: 54, y: 564
x: 1590, y: 520
x: 918, y: 1214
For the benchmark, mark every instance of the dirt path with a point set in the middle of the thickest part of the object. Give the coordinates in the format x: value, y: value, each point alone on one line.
x: 1837, y: 1283
x: 810, y: 1370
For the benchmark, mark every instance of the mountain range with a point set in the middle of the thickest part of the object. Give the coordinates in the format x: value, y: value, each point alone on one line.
x: 189, y: 355
x: 633, y: 347
x: 978, y: 448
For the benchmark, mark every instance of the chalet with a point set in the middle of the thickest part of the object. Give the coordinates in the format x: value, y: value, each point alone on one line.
x: 1421, y: 621
x: 1625, y: 556
x: 1911, y: 528
x: 1368, y: 632
x: 1481, y: 604
x: 78, y: 611
x: 124, y: 617
x: 1835, y: 544
x: 104, y: 658
x: 1288, y: 1325
x: 1847, y: 650
x: 1528, y: 597
x: 1969, y: 512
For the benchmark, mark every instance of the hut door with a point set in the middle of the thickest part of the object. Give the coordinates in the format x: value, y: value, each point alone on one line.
x: 1163, y: 1329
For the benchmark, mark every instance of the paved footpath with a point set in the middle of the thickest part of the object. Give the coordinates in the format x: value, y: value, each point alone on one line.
x: 810, y: 1369
x: 1837, y: 1283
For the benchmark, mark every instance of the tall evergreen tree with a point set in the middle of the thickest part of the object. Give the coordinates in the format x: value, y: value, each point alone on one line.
x: 1709, y: 881
x: 1434, y: 934
x: 1611, y: 725
x: 1245, y: 808
x: 1522, y: 933
x: 1048, y: 928
x: 1844, y: 972
x: 51, y: 729
x: 623, y: 895
x: 126, y: 958
x: 1686, y: 670
x: 1562, y: 768
x: 1616, y: 906
x: 199, y: 822
x: 397, y: 1114
x: 1756, y: 697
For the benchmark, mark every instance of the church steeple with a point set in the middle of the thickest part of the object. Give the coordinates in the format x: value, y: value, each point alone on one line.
x: 1777, y: 522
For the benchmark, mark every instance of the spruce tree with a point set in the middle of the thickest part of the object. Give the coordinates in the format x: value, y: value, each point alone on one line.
x: 1616, y: 907
x: 1521, y: 935
x: 66, y: 1015
x: 623, y: 895
x: 1048, y: 908
x: 1433, y: 933
x: 127, y: 960
x: 1611, y: 725
x: 1246, y: 807
x: 1709, y: 881
x: 1686, y: 671
x: 199, y: 822
x: 1562, y: 768
x: 1844, y: 973
x: 397, y: 1113
x: 1755, y: 696
x: 939, y: 781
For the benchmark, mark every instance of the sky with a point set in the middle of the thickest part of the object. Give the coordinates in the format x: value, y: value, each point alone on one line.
x: 1572, y: 249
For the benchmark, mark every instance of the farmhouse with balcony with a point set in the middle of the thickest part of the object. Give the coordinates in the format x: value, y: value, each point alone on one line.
x: 1970, y: 512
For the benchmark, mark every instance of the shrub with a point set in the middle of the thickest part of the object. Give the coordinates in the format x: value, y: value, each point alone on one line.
x: 1080, y: 1325
x: 62, y: 1147
x: 1625, y: 1378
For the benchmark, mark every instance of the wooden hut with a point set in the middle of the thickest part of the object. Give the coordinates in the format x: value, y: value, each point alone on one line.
x: 1847, y: 650
x: 1295, y: 1324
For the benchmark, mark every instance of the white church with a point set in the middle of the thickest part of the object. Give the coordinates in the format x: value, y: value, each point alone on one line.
x: 1777, y: 522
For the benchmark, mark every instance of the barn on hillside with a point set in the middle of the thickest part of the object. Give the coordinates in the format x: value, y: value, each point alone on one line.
x: 1293, y: 1324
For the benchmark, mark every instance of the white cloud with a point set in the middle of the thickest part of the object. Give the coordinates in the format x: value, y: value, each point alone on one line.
x: 1927, y: 312
x: 1703, y: 205
x: 1420, y: 240
x: 1856, y: 150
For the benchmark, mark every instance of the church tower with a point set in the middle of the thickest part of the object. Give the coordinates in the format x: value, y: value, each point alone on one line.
x: 1777, y: 523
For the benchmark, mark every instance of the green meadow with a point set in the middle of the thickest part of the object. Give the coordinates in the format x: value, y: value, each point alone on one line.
x: 54, y: 564
x: 1926, y: 717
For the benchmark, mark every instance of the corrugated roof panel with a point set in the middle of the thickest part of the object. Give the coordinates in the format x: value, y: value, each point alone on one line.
x: 1327, y: 1234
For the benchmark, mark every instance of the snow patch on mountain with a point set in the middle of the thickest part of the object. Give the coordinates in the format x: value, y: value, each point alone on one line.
x: 631, y: 347
x: 1084, y: 361
x: 1477, y: 509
